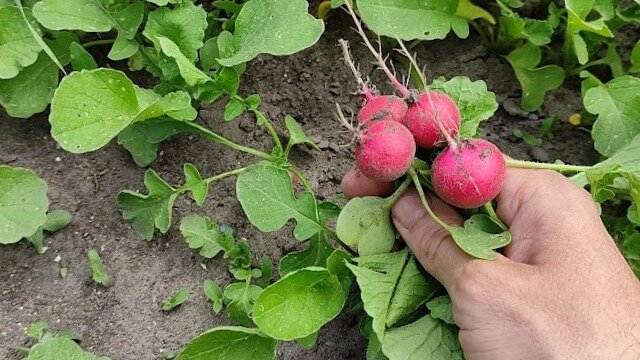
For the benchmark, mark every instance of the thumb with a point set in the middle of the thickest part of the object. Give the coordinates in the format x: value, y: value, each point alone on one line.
x: 431, y: 243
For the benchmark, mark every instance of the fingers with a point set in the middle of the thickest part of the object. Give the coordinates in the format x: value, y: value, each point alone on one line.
x: 546, y: 214
x: 544, y: 191
x: 430, y: 242
x: 356, y: 184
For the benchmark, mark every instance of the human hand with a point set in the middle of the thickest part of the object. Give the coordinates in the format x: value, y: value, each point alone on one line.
x: 562, y: 290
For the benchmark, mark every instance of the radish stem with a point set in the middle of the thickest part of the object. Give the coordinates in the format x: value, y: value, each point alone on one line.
x: 379, y: 59
x: 536, y: 165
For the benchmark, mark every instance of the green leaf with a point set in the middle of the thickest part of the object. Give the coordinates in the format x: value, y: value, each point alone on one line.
x: 90, y: 108
x: 189, y: 72
x: 377, y: 277
x: 266, y: 268
x: 60, y: 347
x: 85, y: 15
x: 148, y: 212
x: 57, y: 220
x: 617, y: 104
x: 626, y: 158
x: 427, y: 338
x: 480, y: 236
x: 37, y: 241
x: 299, y: 304
x: 184, y: 25
x: 513, y: 27
x: 176, y: 300
x: 233, y: 109
x: 201, y: 233
x: 129, y: 19
x: 425, y: 20
x: 308, y: 342
x: 296, y: 134
x: 230, y: 343
x: 366, y: 222
x: 240, y: 298
x: 577, y: 13
x: 18, y: 47
x: 471, y: 11
x: 413, y: 289
x: 474, y: 101
x: 392, y: 287
x: 97, y: 268
x: 526, y: 137
x: 31, y: 91
x: 37, y: 330
x: 81, y: 59
x: 337, y: 265
x: 442, y: 308
x: 264, y: 26
x: 142, y: 138
x: 23, y: 203
x: 315, y: 255
x: 193, y: 181
x: 535, y: 82
x: 214, y: 294
x: 635, y: 59
x: 267, y: 198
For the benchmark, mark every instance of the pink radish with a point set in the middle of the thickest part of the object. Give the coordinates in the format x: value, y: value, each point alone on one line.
x: 385, y: 150
x: 356, y: 184
x: 423, y: 117
x: 385, y: 107
x: 470, y: 174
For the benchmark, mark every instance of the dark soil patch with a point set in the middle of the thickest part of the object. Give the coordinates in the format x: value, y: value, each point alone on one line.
x: 125, y: 321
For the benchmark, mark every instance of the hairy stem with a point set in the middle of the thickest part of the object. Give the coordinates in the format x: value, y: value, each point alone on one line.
x: 537, y: 165
x: 391, y: 200
x: 425, y: 203
x: 208, y: 134
x: 272, y: 131
x: 364, y: 88
x: 379, y: 59
x: 211, y: 179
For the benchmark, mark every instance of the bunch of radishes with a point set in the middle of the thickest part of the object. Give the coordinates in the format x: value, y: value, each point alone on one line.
x: 467, y: 173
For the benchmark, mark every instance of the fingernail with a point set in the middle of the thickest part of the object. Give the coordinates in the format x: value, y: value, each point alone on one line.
x: 408, y: 210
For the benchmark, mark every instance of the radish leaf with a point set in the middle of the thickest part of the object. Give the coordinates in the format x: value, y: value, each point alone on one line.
x: 230, y: 343
x: 299, y: 304
x: 23, y: 203
x: 264, y: 26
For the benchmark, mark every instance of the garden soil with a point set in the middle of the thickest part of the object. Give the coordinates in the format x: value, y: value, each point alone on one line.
x: 125, y: 320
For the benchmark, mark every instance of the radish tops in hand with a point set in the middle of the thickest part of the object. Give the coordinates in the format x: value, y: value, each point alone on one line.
x: 470, y: 174
x: 385, y: 150
x: 423, y: 117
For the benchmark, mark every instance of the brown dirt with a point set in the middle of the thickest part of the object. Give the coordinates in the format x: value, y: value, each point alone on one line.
x: 125, y: 321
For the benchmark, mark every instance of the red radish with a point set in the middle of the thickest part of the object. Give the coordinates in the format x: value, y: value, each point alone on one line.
x: 356, y: 184
x: 385, y: 150
x: 423, y: 117
x: 470, y: 174
x: 386, y: 107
